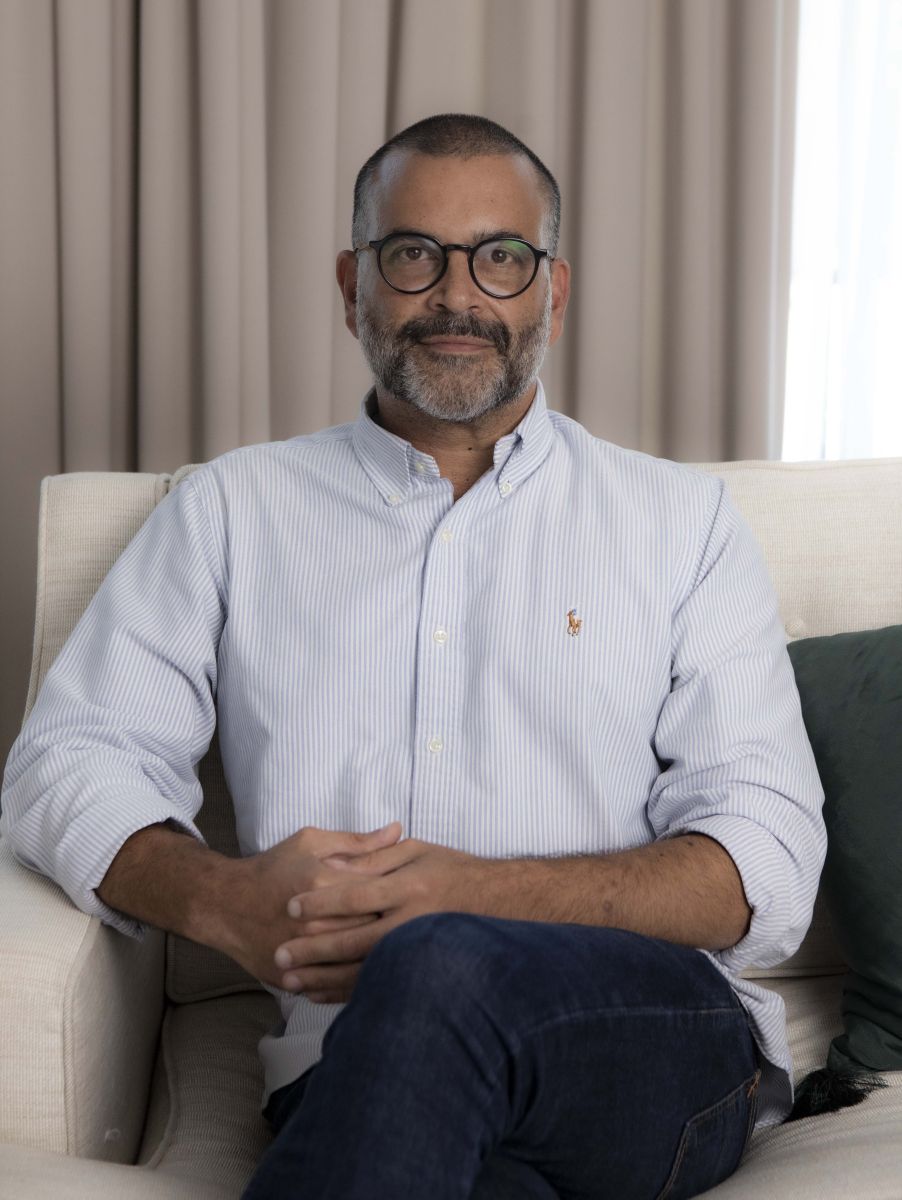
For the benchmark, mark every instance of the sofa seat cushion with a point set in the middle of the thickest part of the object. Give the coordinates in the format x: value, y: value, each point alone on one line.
x: 204, y: 1121
x: 28, y: 1174
x: 855, y: 1152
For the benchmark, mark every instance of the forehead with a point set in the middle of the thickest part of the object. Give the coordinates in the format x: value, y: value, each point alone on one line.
x: 456, y: 198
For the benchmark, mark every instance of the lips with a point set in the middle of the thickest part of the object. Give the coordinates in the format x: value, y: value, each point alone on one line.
x: 449, y: 343
x: 460, y: 334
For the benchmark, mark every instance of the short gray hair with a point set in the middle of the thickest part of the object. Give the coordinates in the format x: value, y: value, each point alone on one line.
x: 456, y: 135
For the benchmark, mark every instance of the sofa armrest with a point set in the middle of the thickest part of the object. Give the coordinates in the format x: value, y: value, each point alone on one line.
x: 80, y: 1013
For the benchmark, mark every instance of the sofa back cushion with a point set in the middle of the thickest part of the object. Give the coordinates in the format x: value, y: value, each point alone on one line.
x: 829, y: 531
x: 833, y: 543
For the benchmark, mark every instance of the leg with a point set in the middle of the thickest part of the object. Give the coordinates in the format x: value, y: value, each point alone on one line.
x: 501, y: 1177
x: 591, y: 1061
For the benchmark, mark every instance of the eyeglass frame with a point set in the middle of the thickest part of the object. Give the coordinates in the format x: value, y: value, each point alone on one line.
x: 470, y: 251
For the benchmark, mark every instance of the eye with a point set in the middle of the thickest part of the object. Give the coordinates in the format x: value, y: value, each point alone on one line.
x: 407, y: 251
x: 509, y: 254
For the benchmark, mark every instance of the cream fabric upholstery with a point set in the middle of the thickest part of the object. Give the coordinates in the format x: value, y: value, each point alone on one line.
x: 67, y: 991
x: 109, y: 1053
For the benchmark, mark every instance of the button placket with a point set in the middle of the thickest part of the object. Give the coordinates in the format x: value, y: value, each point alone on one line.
x: 437, y: 684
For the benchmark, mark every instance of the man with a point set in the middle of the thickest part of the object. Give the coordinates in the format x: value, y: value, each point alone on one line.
x: 554, y: 665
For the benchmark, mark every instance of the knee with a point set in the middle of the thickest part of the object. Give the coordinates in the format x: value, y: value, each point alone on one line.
x: 439, y: 954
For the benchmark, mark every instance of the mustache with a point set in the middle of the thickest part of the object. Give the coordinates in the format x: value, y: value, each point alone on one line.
x: 457, y: 325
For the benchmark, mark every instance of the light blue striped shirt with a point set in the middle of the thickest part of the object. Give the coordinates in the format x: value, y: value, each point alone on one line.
x: 377, y: 651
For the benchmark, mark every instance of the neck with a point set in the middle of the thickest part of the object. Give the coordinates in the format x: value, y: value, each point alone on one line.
x: 463, y: 451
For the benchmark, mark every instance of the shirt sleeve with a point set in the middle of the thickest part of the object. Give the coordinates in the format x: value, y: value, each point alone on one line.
x: 737, y: 765
x: 126, y: 711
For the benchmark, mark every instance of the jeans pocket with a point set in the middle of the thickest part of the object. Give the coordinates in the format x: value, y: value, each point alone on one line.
x: 713, y: 1142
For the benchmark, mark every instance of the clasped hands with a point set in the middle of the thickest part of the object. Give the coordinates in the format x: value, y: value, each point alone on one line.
x: 374, y: 890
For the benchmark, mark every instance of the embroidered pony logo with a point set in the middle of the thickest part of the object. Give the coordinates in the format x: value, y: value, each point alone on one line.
x: 574, y: 623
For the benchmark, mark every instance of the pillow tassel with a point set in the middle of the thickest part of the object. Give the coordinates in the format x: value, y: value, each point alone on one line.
x: 829, y: 1089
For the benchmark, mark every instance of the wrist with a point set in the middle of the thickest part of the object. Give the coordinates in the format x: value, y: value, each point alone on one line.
x: 214, y: 899
x: 498, y: 887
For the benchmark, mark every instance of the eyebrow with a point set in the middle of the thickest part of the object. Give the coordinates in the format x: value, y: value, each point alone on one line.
x: 483, y: 235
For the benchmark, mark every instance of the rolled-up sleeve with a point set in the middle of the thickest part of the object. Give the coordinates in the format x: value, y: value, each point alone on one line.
x: 737, y: 764
x: 126, y: 711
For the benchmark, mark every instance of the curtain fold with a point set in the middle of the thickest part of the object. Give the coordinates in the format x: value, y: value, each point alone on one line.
x: 177, y: 179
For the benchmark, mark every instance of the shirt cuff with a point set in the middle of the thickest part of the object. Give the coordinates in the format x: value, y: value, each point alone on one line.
x: 763, y: 869
x: 86, y: 896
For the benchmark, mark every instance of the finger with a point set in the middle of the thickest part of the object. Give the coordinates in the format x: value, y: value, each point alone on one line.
x: 380, y: 861
x: 330, y: 924
x: 345, y: 862
x: 360, y: 898
x: 340, y: 946
x: 330, y: 980
x: 346, y: 842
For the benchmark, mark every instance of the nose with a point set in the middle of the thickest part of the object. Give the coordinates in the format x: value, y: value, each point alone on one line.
x: 456, y: 291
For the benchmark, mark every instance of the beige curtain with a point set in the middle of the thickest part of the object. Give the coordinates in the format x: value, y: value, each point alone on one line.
x: 176, y: 177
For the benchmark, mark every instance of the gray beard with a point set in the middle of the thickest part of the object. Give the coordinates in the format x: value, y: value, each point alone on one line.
x: 456, y: 387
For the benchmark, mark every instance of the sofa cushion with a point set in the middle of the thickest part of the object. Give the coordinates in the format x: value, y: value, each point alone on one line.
x: 850, y: 685
x: 853, y: 1153
x: 204, y: 1122
x: 30, y: 1174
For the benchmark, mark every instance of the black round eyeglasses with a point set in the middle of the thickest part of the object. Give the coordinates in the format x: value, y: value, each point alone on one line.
x: 411, y: 262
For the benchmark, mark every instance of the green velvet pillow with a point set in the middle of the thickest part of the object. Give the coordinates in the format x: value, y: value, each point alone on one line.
x: 851, y: 691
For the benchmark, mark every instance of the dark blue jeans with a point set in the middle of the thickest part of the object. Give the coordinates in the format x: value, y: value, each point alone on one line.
x: 487, y: 1059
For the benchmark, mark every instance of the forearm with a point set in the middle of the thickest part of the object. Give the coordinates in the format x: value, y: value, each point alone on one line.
x: 685, y: 889
x: 167, y: 878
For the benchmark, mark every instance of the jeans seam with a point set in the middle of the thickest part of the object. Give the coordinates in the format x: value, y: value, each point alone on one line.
x: 550, y: 1022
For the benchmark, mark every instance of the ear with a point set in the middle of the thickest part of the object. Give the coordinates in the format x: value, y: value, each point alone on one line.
x: 346, y: 274
x: 560, y: 294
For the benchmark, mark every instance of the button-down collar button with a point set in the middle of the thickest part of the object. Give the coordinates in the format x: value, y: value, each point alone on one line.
x: 394, y: 499
x: 506, y: 488
x: 420, y: 467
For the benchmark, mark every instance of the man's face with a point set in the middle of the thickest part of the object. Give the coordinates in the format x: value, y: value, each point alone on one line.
x: 454, y: 352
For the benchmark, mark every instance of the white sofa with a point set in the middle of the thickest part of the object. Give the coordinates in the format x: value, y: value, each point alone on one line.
x: 130, y: 1069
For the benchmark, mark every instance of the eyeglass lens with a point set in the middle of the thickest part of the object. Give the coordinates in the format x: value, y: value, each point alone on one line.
x: 411, y: 263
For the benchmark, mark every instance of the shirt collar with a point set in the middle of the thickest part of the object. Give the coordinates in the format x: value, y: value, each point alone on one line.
x: 397, y: 468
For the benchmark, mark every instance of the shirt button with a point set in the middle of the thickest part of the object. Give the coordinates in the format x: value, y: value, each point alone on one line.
x: 394, y: 499
x: 506, y: 488
x: 440, y: 636
x: 435, y: 744
x: 421, y: 467
x: 446, y: 535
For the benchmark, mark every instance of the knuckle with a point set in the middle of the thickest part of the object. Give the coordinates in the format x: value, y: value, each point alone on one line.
x: 346, y: 942
x: 304, y: 837
x: 356, y: 943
